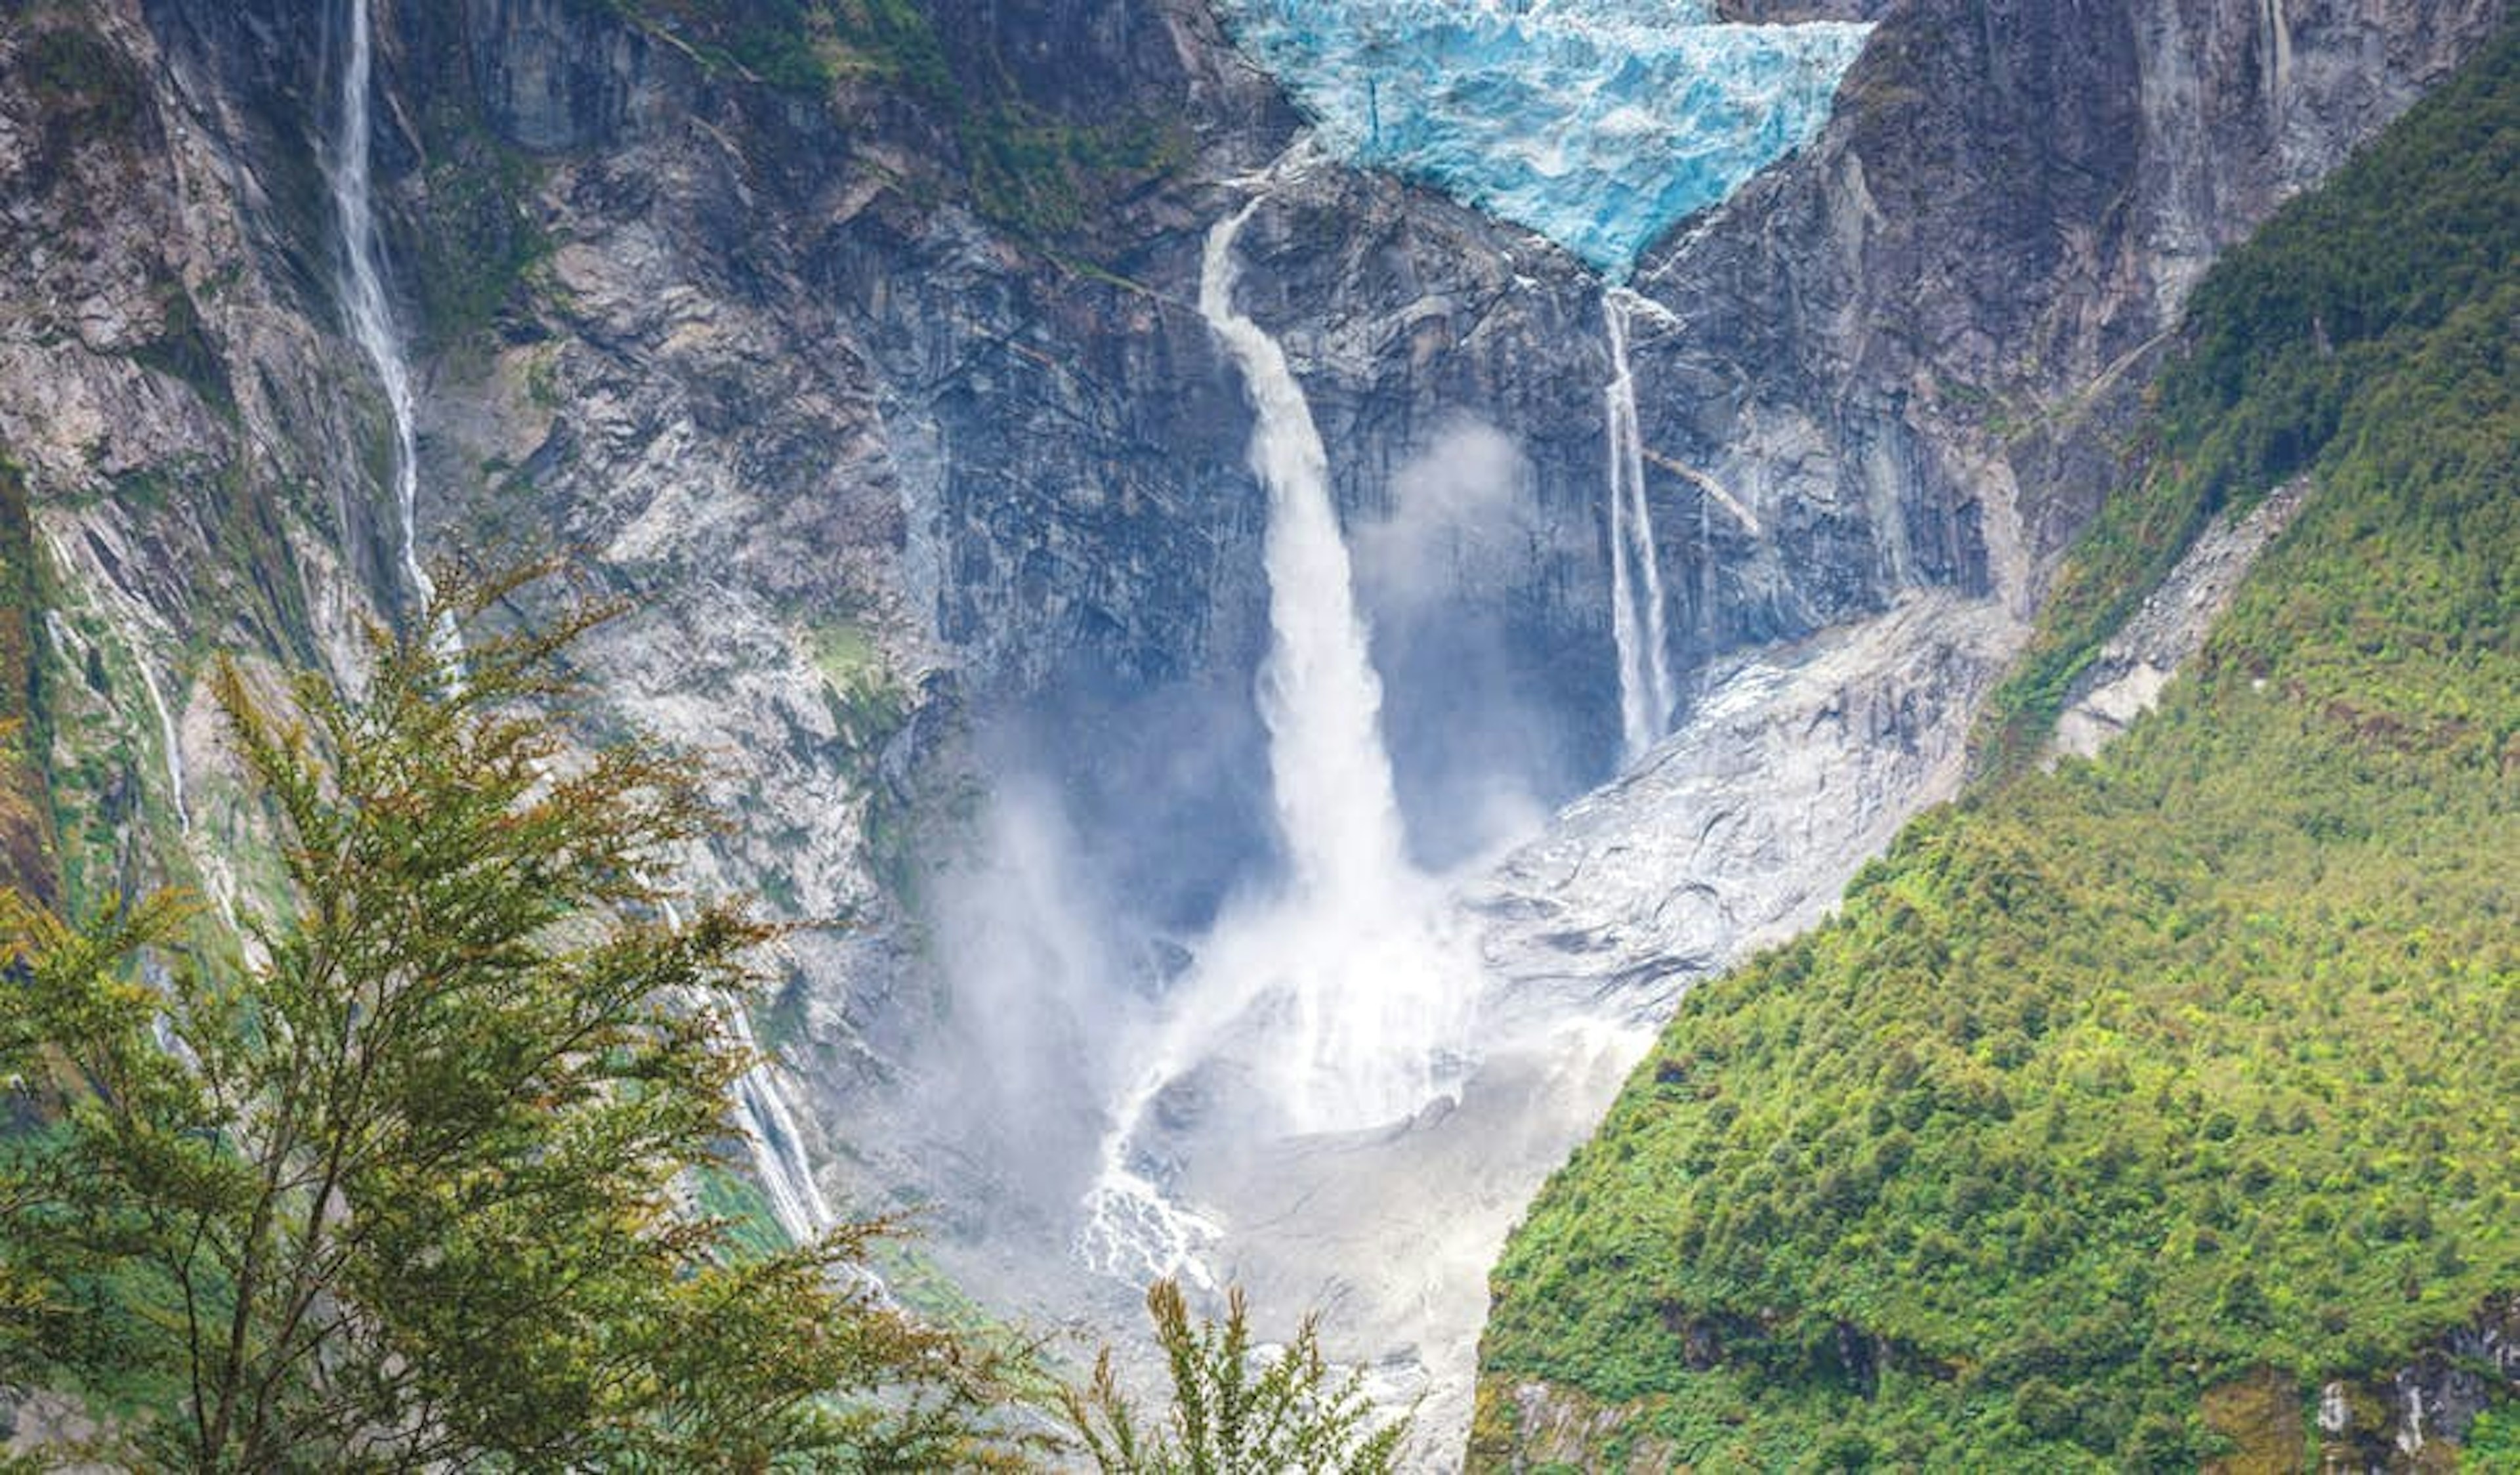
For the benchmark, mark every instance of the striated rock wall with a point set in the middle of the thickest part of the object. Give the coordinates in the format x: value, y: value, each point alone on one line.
x: 883, y: 397
x: 189, y: 448
x: 1913, y: 350
x: 697, y: 323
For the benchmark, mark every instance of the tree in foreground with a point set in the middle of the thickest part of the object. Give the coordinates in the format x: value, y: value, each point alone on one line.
x: 1233, y: 1412
x: 411, y: 1186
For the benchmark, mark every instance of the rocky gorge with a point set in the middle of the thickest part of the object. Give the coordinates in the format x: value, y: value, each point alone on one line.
x: 860, y: 348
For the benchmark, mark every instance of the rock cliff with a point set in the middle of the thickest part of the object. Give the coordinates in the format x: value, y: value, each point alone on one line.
x: 864, y: 358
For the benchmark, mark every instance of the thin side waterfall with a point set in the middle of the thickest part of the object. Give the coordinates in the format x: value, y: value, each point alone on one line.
x: 769, y: 1126
x: 761, y: 1109
x: 123, y: 620
x: 169, y: 745
x: 1709, y: 493
x: 778, y: 1151
x: 2278, y: 56
x: 363, y: 302
x: 126, y: 630
x: 1646, y: 692
x: 779, y: 1160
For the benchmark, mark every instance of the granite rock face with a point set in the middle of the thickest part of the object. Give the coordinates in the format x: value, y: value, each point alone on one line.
x: 882, y: 395
x: 1908, y: 349
x: 803, y: 364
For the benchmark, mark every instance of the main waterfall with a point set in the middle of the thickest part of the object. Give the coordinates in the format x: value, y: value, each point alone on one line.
x: 1355, y: 947
x: 1345, y: 996
x: 1646, y: 692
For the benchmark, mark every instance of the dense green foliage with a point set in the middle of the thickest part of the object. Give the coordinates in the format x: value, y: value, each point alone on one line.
x: 1234, y: 1410
x: 2113, y: 1083
x: 410, y: 1186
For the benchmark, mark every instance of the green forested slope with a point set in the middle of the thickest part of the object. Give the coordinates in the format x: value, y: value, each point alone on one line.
x: 2112, y: 1085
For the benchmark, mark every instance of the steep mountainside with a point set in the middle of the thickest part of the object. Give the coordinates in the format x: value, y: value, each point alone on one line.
x: 1906, y: 362
x: 1907, y: 351
x: 698, y: 291
x: 856, y: 342
x: 2157, y: 1108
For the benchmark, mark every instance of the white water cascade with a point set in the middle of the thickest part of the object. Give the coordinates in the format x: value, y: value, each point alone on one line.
x: 778, y: 1152
x: 769, y: 1127
x: 369, y: 311
x: 1645, y: 693
x: 125, y: 624
x: 1132, y: 1231
x: 1346, y: 994
x: 1356, y: 947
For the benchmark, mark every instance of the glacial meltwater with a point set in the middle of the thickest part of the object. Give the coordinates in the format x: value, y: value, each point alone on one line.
x: 1646, y: 692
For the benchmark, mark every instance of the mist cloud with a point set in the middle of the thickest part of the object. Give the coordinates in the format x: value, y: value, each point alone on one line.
x: 1477, y: 752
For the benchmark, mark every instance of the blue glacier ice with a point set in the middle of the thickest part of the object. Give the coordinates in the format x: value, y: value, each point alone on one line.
x: 1598, y: 123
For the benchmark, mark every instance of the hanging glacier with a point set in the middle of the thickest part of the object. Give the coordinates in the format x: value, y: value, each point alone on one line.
x: 1598, y: 123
